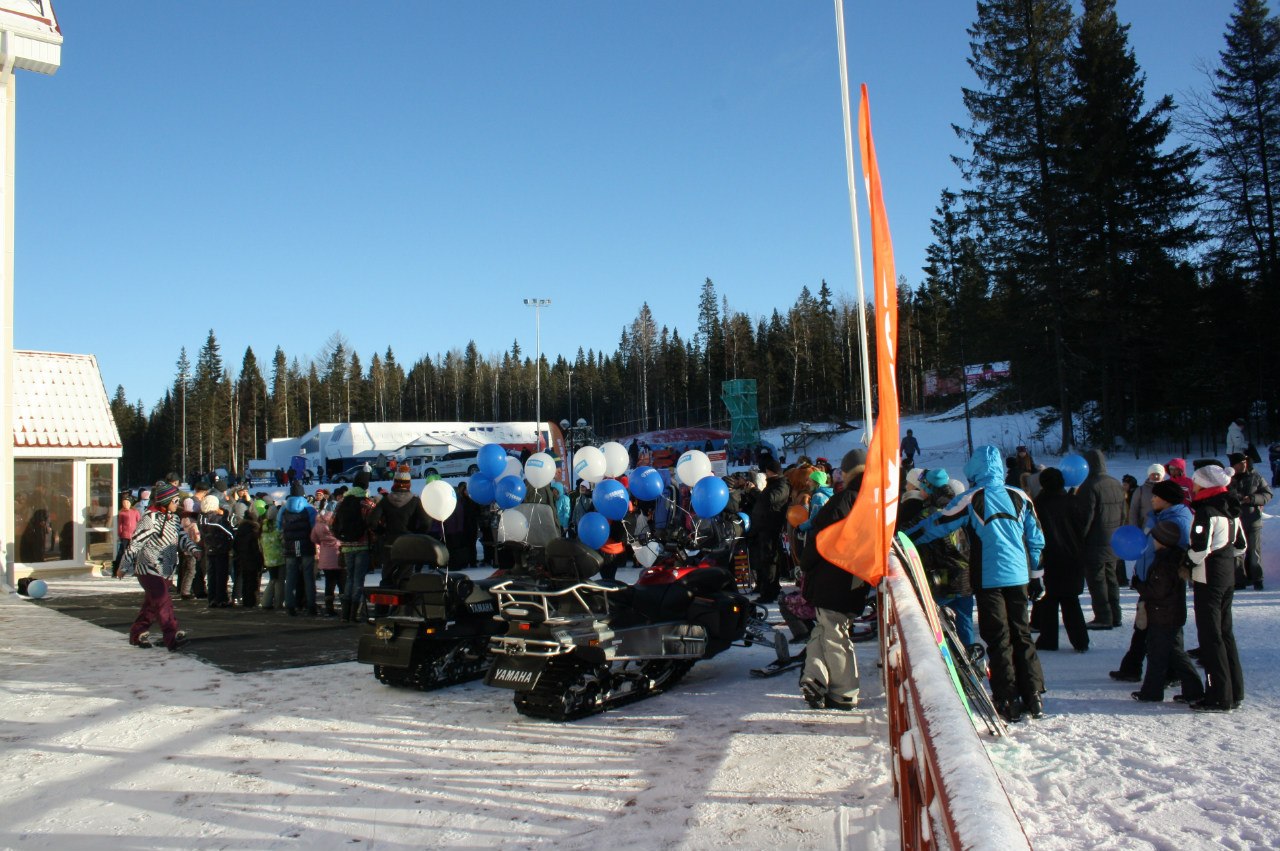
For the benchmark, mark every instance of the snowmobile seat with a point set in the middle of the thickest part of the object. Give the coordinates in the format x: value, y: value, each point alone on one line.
x: 571, y: 561
x: 654, y: 603
x: 419, y: 549
x: 709, y: 580
x: 427, y: 582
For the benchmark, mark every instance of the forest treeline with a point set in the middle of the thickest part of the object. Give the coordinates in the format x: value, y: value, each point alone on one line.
x: 1128, y: 273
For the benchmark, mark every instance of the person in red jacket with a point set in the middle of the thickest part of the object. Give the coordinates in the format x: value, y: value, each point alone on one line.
x: 126, y: 523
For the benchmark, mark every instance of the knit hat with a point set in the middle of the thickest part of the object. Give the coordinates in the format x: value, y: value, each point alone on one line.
x: 769, y: 464
x: 209, y: 503
x: 1176, y: 464
x: 202, y: 485
x: 936, y: 479
x: 819, y: 477
x: 1212, y: 476
x: 1156, y: 470
x: 163, y: 493
x: 1236, y: 458
x: 1167, y: 533
x: 1205, y: 462
x: 1051, y: 480
x: 295, y: 489
x: 362, y: 479
x: 402, y: 482
x: 1168, y: 490
x: 914, y: 475
x: 854, y: 461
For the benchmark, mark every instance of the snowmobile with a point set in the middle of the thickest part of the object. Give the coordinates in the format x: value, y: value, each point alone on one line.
x: 432, y: 630
x: 575, y: 647
x: 718, y: 542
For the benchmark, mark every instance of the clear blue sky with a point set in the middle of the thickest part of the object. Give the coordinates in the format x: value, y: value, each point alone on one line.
x: 280, y: 171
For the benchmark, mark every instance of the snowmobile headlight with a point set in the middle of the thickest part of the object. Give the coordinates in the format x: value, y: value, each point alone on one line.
x: 383, y: 632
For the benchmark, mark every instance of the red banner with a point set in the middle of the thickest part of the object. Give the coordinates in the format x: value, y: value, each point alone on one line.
x: 860, y: 543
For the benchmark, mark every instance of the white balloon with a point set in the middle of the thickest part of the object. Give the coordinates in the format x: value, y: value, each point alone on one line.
x: 439, y: 499
x: 540, y: 469
x: 513, y: 526
x: 589, y: 465
x: 513, y: 468
x: 693, y: 467
x: 616, y: 459
x: 648, y: 554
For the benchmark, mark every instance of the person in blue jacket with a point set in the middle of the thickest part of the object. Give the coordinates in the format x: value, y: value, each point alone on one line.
x: 1005, y: 542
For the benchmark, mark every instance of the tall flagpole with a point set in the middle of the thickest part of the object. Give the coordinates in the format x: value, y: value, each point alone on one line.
x: 865, y: 366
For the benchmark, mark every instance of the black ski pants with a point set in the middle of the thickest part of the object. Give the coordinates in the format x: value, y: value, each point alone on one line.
x: 1223, y: 676
x: 1165, y: 658
x: 1003, y: 625
x: 1072, y: 619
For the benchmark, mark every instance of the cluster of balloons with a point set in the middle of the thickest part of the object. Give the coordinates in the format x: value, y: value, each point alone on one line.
x: 501, y: 479
x: 611, y: 498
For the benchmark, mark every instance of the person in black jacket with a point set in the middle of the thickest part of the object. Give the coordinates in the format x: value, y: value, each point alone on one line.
x: 249, y: 564
x: 1102, y: 500
x: 830, y: 677
x: 1059, y: 513
x: 395, y: 514
x: 1217, y: 539
x: 1164, y: 597
x: 768, y: 517
x: 1252, y: 492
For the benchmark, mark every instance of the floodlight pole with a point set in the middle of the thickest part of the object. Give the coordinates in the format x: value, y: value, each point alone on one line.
x: 537, y: 304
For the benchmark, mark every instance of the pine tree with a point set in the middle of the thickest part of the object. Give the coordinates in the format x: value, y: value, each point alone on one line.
x: 251, y: 393
x: 1126, y: 204
x: 1020, y: 55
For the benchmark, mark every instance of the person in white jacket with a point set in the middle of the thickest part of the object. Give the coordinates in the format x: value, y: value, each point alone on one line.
x: 1235, y: 437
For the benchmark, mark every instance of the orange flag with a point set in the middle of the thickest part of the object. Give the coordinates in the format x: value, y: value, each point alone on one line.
x: 860, y: 543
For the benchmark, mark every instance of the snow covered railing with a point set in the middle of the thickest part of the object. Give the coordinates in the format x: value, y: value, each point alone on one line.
x: 949, y: 795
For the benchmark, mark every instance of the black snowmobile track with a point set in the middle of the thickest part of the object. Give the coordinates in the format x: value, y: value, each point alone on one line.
x: 569, y: 689
x: 436, y: 670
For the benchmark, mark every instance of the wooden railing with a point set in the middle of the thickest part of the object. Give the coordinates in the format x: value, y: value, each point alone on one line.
x: 943, y: 776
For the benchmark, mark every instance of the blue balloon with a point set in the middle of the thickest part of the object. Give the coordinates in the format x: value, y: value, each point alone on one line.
x: 611, y: 499
x: 746, y: 521
x: 480, y: 488
x: 37, y: 588
x: 593, y: 529
x: 509, y: 491
x: 710, y: 496
x: 646, y: 483
x: 1129, y: 542
x: 492, y: 460
x: 1074, y: 470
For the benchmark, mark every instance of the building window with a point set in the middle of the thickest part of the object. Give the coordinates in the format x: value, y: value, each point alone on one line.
x: 43, y: 512
x: 100, y: 502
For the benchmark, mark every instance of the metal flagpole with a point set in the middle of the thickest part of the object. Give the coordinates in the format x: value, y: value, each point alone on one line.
x: 865, y: 366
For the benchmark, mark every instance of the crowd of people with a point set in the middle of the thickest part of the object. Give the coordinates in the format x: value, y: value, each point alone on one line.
x: 1024, y: 546
x: 1010, y: 539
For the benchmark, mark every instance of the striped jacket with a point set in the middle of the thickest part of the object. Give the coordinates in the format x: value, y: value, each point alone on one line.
x: 153, y: 551
x: 1005, y: 539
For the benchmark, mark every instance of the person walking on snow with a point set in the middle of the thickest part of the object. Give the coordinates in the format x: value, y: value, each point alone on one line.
x: 910, y: 447
x: 152, y: 557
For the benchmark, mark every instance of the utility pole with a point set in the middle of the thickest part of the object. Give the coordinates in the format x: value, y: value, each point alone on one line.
x: 537, y: 304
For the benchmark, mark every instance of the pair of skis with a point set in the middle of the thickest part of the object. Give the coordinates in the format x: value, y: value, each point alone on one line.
x: 962, y: 662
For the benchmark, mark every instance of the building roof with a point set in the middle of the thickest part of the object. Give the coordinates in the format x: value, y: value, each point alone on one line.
x: 59, y: 401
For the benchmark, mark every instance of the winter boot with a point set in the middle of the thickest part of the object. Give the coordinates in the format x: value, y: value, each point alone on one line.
x: 346, y: 611
x: 328, y: 607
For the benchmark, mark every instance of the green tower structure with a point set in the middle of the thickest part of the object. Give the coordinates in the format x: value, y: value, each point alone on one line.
x: 739, y: 396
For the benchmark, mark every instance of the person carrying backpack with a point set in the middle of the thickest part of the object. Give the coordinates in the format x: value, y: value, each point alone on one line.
x: 295, y: 521
x: 351, y: 528
x: 1005, y: 542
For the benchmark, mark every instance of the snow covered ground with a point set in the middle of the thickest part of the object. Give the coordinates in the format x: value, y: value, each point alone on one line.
x: 107, y: 745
